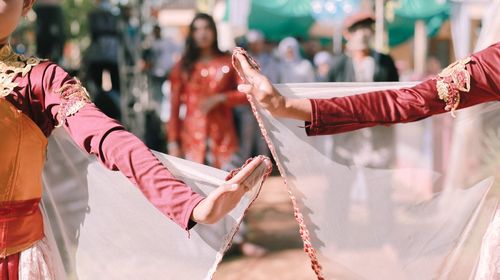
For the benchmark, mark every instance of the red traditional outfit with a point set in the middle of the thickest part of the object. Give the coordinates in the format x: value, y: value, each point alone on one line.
x: 35, y: 97
x: 200, y: 133
x: 465, y: 83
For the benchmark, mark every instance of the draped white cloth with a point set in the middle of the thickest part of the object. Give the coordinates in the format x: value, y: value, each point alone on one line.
x: 104, y: 228
x: 378, y: 203
x: 405, y: 202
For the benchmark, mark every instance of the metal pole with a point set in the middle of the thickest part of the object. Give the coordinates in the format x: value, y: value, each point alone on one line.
x: 420, y: 47
x: 379, y: 25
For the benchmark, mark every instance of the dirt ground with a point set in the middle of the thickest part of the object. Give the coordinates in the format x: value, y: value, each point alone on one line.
x: 272, y: 225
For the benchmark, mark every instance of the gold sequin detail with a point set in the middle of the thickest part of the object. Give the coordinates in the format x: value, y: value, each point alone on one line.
x: 11, y: 65
x: 451, y: 81
x: 73, y: 97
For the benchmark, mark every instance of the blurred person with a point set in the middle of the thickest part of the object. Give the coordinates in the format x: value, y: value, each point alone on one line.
x: 204, y: 81
x: 130, y: 35
x: 102, y: 54
x: 50, y: 35
x: 258, y: 49
x: 293, y: 68
x: 372, y: 148
x: 36, y: 96
x: 322, y: 61
x: 160, y: 57
x: 310, y: 47
x: 360, y: 63
x: 101, y: 57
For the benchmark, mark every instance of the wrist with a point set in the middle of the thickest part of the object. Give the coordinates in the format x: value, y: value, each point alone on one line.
x: 282, y: 106
x: 297, y: 109
x: 200, y: 215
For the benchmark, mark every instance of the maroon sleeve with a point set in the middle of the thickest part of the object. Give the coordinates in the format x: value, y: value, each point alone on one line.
x: 342, y: 114
x: 116, y: 148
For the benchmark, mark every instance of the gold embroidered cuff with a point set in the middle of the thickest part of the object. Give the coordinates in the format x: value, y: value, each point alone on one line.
x: 73, y: 97
x: 451, y: 81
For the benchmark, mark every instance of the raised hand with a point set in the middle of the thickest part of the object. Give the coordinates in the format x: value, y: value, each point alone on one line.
x: 263, y: 91
x: 257, y: 84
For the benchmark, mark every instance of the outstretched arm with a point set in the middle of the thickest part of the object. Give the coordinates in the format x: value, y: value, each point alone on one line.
x: 449, y: 91
x: 66, y: 100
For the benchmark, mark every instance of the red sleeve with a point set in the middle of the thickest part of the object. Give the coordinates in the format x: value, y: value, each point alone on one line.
x: 235, y: 98
x: 174, y: 124
x: 336, y: 115
x: 118, y: 149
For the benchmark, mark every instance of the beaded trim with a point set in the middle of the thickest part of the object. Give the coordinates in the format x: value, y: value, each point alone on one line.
x: 73, y: 97
x: 11, y: 65
x: 451, y: 81
x: 303, y: 230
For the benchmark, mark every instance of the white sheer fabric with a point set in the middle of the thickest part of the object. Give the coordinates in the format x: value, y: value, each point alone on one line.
x: 104, y: 228
x: 489, y: 264
x: 378, y: 203
x: 36, y: 263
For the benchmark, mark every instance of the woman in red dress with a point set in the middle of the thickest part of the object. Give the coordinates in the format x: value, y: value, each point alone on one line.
x: 206, y: 83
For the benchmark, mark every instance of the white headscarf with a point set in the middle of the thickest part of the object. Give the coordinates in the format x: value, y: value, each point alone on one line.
x: 293, y: 69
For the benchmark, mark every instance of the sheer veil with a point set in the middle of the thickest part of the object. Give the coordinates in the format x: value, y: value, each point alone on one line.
x: 100, y: 226
x: 402, y: 202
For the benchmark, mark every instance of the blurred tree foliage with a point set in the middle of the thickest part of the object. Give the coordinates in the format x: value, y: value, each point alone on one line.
x: 75, y: 17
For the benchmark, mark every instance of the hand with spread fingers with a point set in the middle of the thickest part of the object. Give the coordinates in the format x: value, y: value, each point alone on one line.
x: 223, y: 199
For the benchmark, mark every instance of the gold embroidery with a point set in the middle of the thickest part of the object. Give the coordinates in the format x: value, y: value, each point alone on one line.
x: 73, y: 97
x: 451, y: 81
x: 11, y: 65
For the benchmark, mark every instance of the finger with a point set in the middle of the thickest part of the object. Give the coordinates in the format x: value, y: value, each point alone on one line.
x: 246, y: 171
x: 245, y: 88
x: 245, y: 66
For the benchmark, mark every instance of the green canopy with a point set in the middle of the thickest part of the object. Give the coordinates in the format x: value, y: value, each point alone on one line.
x: 278, y: 19
x: 281, y: 18
x: 433, y: 12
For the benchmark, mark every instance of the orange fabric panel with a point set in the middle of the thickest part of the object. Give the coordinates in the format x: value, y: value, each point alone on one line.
x: 22, y: 147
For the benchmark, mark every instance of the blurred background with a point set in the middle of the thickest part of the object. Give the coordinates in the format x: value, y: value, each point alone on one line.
x: 163, y: 71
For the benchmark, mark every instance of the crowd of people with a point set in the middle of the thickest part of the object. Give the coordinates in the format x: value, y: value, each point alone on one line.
x: 194, y: 110
x: 211, y: 122
x: 208, y: 120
